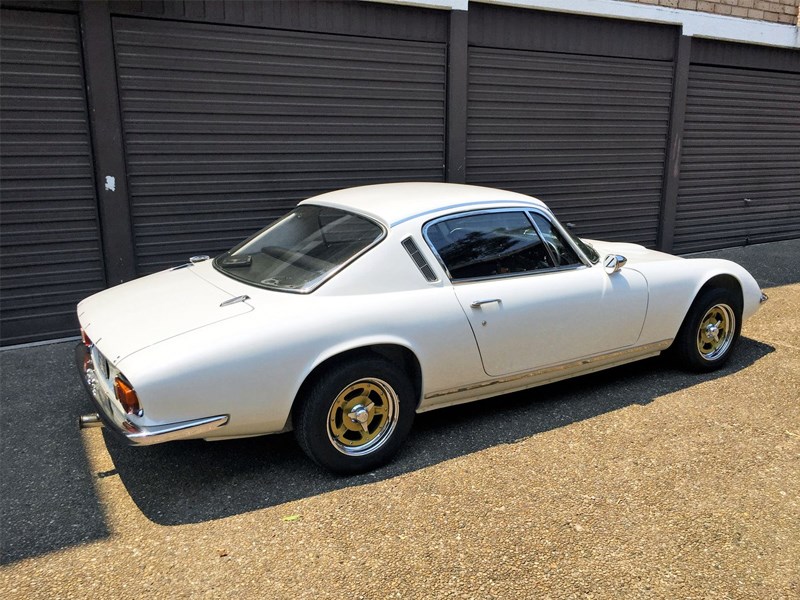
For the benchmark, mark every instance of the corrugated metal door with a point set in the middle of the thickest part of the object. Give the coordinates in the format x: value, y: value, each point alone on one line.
x: 226, y: 128
x: 586, y: 134
x: 740, y: 167
x: 49, y: 235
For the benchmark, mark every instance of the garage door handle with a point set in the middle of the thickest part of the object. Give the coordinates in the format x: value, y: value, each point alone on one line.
x: 479, y: 303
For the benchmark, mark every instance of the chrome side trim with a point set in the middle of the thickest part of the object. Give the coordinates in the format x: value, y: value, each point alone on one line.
x: 536, y: 273
x: 548, y: 374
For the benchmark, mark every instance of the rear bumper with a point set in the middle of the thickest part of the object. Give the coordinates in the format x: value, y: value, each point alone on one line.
x: 121, y: 425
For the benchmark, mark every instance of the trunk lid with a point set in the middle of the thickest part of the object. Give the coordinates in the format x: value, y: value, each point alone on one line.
x: 129, y: 317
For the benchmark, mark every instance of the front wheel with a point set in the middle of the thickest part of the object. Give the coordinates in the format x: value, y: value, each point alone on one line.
x: 355, y: 415
x: 709, y: 331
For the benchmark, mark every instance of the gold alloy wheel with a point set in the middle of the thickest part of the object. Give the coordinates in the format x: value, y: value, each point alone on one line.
x: 715, y: 334
x: 363, y: 416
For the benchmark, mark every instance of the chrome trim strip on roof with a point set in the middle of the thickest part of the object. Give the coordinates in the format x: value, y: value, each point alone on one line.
x: 515, y: 203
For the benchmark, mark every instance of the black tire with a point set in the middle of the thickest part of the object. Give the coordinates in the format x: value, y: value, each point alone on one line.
x: 335, y: 425
x: 709, y: 332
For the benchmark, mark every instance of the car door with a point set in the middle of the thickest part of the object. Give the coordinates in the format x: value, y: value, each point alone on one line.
x: 530, y: 299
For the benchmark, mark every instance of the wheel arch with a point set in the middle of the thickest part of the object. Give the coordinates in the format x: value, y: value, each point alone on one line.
x: 686, y: 347
x: 725, y: 281
x: 394, y: 351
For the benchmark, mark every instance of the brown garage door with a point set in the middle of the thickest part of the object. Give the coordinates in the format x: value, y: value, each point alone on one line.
x: 585, y: 134
x: 573, y: 110
x: 228, y: 127
x: 49, y: 235
x: 740, y: 168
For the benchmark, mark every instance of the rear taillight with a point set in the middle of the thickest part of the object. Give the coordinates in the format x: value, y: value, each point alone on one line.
x: 86, y: 341
x: 126, y: 396
x: 87, y: 362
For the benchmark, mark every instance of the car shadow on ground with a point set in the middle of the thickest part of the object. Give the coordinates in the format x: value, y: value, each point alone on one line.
x: 47, y: 497
x: 195, y: 481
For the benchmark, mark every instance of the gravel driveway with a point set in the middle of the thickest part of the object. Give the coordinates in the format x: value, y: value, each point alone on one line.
x: 641, y: 481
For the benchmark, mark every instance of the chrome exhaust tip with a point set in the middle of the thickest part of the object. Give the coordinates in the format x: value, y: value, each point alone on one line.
x: 90, y: 420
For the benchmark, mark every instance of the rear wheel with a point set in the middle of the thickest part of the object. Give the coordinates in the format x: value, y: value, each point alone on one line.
x: 709, y: 331
x: 355, y: 415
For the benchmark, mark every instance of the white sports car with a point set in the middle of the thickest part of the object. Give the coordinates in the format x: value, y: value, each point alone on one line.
x: 364, y: 306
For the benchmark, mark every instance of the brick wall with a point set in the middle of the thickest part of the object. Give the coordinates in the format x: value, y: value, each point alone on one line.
x: 776, y: 11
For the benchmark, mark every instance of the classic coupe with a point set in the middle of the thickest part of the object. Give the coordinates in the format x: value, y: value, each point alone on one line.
x: 364, y: 306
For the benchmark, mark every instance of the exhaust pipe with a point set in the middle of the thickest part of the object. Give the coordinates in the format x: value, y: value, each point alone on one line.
x: 90, y: 420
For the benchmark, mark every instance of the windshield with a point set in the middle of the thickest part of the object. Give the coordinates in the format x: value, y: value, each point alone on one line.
x: 301, y: 250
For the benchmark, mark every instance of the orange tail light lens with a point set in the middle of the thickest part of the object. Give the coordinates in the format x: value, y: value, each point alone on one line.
x: 126, y: 396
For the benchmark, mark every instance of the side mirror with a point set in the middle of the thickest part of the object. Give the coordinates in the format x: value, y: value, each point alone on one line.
x: 613, y: 263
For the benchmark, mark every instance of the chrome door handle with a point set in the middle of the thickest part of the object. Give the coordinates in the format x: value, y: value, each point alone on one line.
x: 478, y: 303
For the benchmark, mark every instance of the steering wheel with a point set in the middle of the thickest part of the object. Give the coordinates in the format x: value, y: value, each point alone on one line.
x: 554, y: 251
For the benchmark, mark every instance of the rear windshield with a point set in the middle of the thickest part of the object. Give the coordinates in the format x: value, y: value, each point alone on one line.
x: 301, y: 250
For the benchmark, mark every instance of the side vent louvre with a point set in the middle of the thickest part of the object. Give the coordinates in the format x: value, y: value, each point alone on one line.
x: 418, y: 259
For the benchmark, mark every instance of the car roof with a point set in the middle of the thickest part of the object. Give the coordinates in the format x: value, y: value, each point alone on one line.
x: 394, y: 203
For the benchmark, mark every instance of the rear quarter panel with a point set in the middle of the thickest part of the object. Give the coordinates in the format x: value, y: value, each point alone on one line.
x: 252, y: 367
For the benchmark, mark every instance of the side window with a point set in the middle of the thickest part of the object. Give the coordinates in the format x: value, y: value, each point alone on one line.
x: 562, y: 251
x: 487, y: 244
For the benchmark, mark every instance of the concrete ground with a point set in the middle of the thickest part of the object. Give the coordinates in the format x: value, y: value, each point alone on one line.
x: 641, y: 482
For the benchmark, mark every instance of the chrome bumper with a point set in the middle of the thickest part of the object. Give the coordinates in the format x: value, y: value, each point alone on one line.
x: 764, y: 298
x: 115, y: 421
